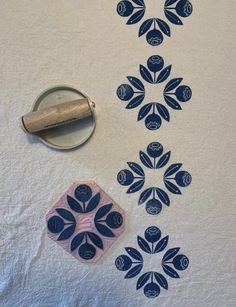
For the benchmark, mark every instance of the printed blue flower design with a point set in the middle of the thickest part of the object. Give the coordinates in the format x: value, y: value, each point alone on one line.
x: 154, y: 112
x: 63, y: 222
x: 152, y: 281
x: 155, y: 28
x: 155, y: 159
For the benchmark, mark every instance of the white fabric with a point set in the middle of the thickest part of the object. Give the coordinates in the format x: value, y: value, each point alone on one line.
x: 86, y: 44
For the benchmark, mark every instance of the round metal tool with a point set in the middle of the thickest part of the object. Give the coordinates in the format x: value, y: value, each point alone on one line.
x: 70, y: 135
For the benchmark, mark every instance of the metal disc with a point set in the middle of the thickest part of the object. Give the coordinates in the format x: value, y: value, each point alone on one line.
x: 70, y: 135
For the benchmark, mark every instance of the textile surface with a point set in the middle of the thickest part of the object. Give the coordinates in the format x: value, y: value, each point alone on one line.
x: 88, y: 45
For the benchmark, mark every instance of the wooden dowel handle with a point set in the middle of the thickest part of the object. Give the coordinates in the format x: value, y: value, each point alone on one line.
x: 56, y: 115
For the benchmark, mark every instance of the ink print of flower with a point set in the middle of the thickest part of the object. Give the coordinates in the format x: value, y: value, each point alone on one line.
x: 155, y: 28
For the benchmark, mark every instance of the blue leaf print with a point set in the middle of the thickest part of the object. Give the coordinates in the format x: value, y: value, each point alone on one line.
x: 161, y: 245
x: 172, y: 187
x: 143, y: 279
x: 102, y: 211
x: 163, y: 160
x: 67, y: 215
x: 136, y: 186
x: 144, y: 245
x: 77, y: 240
x: 169, y: 271
x: 144, y: 110
x: 163, y: 111
x: 161, y: 280
x: 136, y: 168
x: 134, y: 271
x: 94, y: 201
x: 170, y: 254
x: 146, y: 74
x: 163, y: 26
x: 135, y: 102
x: 139, y: 2
x: 172, y: 84
x: 145, y: 195
x: 172, y: 169
x: 145, y: 26
x: 173, y: 18
x: 172, y: 103
x: 104, y: 230
x: 68, y: 232
x: 163, y: 196
x: 136, y: 17
x: 145, y: 159
x: 170, y: 2
x: 134, y: 253
x: 136, y: 83
x: 74, y: 205
x: 164, y: 74
x: 95, y: 240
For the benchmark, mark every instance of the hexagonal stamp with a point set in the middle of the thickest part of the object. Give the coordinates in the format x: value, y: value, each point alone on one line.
x: 85, y: 221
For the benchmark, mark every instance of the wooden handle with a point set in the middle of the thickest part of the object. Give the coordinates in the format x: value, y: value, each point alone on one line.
x: 56, y: 115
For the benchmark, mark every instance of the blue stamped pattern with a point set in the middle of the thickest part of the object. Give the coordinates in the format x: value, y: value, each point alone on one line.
x: 64, y: 222
x: 174, y: 93
x: 154, y: 197
x: 155, y: 28
x: 152, y: 243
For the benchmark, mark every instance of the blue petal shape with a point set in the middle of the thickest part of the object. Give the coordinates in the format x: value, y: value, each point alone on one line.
x: 161, y: 280
x: 77, y: 240
x: 146, y: 75
x: 164, y: 74
x: 134, y: 271
x: 94, y: 201
x: 136, y: 186
x: 172, y: 84
x: 170, y: 254
x: 144, y: 111
x: 170, y: 2
x: 162, y: 110
x: 173, y: 18
x: 172, y: 103
x: 145, y: 195
x: 161, y: 245
x: 172, y: 187
x: 134, y: 253
x: 139, y: 2
x: 95, y: 240
x: 136, y: 83
x: 136, y: 168
x: 143, y: 244
x: 145, y: 26
x: 102, y: 211
x: 136, y: 17
x: 145, y: 159
x: 172, y: 169
x: 104, y: 230
x: 68, y: 232
x: 135, y: 102
x: 163, y: 26
x: 163, y: 196
x: 67, y: 215
x: 143, y: 279
x: 169, y: 271
x: 163, y: 160
x: 74, y: 205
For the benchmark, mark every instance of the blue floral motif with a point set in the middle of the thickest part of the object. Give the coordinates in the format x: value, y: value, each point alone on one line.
x: 63, y: 222
x: 154, y: 197
x: 152, y: 281
x: 155, y: 28
x: 174, y: 94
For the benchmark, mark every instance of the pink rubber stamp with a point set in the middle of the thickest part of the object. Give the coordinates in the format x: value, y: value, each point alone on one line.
x: 85, y: 221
